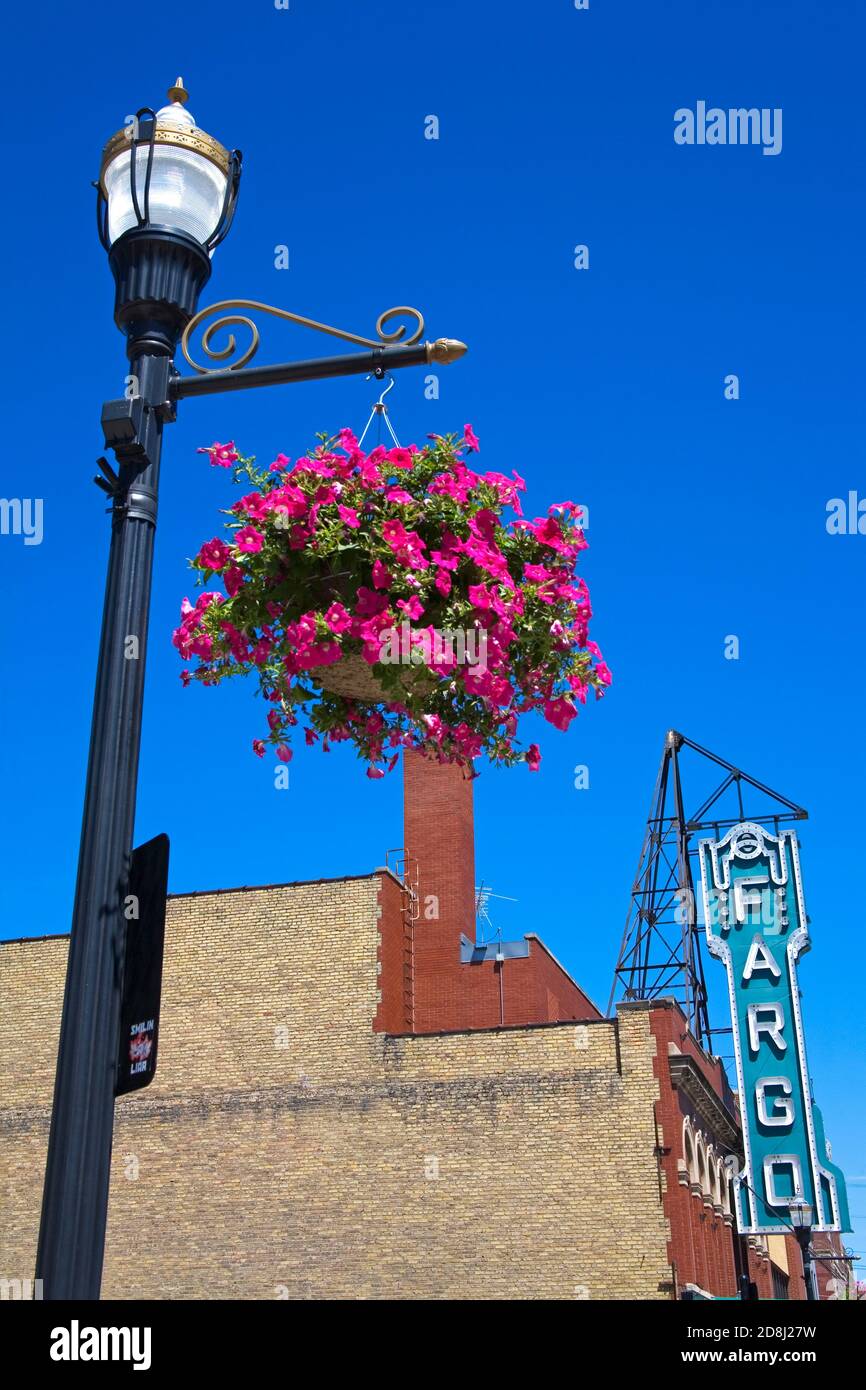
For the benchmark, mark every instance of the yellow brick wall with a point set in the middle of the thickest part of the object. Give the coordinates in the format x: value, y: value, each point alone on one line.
x: 285, y: 1149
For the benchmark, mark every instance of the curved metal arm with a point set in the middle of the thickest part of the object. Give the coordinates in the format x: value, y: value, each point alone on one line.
x: 395, y: 335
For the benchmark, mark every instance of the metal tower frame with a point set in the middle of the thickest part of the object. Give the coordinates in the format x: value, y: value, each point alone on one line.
x: 661, y: 952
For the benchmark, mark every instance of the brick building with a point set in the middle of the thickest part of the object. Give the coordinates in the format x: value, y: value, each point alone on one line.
x: 354, y: 1101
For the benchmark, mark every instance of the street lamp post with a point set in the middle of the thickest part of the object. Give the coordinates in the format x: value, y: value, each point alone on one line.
x: 801, y: 1220
x: 166, y: 198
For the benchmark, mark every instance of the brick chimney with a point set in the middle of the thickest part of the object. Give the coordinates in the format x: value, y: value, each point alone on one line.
x: 439, y: 832
x: 425, y: 986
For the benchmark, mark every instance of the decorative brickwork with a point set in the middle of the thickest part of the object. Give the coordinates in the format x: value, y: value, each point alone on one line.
x: 288, y: 1149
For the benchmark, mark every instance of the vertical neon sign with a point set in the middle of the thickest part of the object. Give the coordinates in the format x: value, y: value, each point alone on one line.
x: 756, y: 924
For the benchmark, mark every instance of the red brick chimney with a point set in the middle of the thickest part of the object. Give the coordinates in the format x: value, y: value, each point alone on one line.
x: 425, y: 986
x: 439, y: 833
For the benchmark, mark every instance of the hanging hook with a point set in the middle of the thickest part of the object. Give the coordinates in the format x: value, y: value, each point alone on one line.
x: 380, y: 405
x: 380, y: 409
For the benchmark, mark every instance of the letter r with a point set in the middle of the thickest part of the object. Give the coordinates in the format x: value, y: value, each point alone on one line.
x: 772, y: 1025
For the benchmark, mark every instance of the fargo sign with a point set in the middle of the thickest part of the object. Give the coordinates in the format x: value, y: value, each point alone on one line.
x: 756, y: 924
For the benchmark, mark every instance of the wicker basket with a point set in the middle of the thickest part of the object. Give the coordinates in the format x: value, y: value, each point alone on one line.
x: 354, y: 679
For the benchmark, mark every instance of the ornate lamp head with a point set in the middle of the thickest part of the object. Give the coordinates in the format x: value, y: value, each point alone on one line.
x: 166, y: 198
x: 180, y: 178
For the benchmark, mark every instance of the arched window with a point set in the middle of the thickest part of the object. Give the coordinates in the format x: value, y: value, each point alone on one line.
x: 689, y: 1150
x: 722, y: 1181
x: 702, y: 1164
x: 710, y: 1189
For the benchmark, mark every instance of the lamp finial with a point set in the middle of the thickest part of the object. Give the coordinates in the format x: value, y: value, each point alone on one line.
x: 178, y: 92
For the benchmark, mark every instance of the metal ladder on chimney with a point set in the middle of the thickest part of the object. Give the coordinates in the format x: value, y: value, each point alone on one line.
x: 405, y: 868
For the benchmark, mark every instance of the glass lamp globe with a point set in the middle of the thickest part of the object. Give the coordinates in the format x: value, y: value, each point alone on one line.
x: 182, y: 180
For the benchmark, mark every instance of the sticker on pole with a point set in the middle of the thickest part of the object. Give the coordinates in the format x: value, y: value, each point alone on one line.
x: 142, y: 974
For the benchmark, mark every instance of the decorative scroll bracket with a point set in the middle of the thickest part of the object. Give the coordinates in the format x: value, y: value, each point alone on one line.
x: 227, y: 320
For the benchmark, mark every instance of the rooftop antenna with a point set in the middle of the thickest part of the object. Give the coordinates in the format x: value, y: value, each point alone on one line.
x: 661, y: 944
x: 483, y: 918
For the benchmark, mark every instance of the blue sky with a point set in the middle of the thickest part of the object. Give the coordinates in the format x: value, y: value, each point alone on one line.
x: 707, y: 516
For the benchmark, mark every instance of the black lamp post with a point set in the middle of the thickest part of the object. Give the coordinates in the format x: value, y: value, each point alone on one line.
x: 801, y: 1220
x: 166, y: 198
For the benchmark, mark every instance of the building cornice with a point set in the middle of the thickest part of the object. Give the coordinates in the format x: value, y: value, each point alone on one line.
x: 722, y: 1123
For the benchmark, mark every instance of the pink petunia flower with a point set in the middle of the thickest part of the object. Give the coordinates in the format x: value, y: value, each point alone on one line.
x: 480, y: 596
x: 233, y: 579
x: 370, y: 603
x: 401, y: 458
x: 221, y: 455
x: 338, y: 618
x: 255, y: 505
x: 214, y: 555
x: 249, y: 540
x: 537, y: 574
x: 409, y: 551
x: 471, y: 439
x: 412, y: 607
x: 381, y: 576
x: 368, y: 473
x: 549, y: 532
x: 603, y: 672
x: 319, y: 654
x: 559, y: 712
x: 288, y: 500
x: 394, y: 533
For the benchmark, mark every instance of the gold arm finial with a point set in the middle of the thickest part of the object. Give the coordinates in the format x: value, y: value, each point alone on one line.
x: 445, y: 350
x: 178, y: 92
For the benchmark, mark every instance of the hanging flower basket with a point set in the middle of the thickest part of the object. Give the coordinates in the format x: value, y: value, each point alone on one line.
x: 381, y: 598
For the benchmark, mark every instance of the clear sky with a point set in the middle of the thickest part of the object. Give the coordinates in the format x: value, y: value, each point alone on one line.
x: 606, y: 385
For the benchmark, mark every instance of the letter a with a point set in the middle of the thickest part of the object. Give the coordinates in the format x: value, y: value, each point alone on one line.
x: 837, y: 517
x: 760, y: 957
x: 684, y: 127
x: 60, y: 1338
